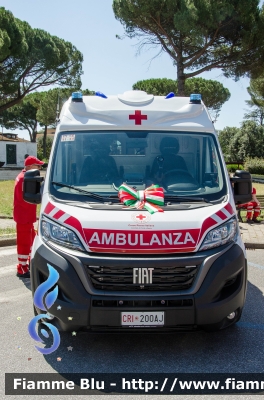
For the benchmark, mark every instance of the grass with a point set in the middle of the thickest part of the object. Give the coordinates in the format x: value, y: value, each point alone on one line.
x: 7, y: 231
x: 259, y: 188
x: 6, y: 196
x: 244, y: 214
x: 257, y: 176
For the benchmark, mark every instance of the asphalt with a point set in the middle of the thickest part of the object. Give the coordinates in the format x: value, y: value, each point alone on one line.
x: 252, y: 234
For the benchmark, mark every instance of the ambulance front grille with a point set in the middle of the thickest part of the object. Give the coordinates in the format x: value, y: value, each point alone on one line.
x: 121, y: 278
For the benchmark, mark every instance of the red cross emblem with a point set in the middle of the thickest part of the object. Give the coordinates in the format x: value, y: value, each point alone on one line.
x: 141, y: 217
x: 138, y: 117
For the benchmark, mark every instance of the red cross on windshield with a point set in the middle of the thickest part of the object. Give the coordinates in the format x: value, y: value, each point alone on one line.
x: 138, y: 117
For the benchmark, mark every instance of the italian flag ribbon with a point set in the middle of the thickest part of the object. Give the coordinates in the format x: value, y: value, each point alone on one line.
x: 150, y: 198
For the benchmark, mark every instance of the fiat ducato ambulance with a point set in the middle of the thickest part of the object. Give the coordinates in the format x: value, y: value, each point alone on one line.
x: 138, y: 217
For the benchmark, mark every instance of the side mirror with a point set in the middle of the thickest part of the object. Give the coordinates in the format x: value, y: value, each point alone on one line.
x: 242, y: 184
x: 32, y: 186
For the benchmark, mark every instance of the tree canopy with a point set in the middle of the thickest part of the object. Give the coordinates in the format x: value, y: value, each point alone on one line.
x: 256, y: 90
x: 198, y: 35
x: 240, y: 143
x: 37, y: 108
x: 214, y: 94
x: 50, y: 104
x: 23, y: 115
x: 41, y: 146
x: 255, y: 114
x: 256, y: 103
x: 226, y: 137
x: 31, y: 59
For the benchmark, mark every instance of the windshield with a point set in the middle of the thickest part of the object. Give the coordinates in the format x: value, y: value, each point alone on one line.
x: 184, y: 164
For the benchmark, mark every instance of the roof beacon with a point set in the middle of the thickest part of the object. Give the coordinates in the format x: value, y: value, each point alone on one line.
x: 77, y: 97
x: 170, y: 95
x: 195, y: 98
x: 101, y: 95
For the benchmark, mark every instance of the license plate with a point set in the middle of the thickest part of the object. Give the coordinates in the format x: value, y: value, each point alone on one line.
x: 145, y: 318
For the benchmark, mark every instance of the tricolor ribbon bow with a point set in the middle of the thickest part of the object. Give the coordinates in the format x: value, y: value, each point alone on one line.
x: 150, y: 198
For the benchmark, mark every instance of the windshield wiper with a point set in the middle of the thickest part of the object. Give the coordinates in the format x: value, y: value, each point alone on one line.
x: 90, y: 194
x: 115, y: 199
x: 183, y: 198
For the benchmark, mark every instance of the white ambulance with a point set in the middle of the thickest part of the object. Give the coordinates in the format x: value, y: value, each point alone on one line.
x: 138, y: 217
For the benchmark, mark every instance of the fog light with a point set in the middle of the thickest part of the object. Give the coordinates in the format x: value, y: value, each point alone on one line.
x: 231, y: 315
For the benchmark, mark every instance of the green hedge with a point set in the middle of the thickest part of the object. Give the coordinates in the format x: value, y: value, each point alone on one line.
x: 254, y: 165
x: 234, y: 167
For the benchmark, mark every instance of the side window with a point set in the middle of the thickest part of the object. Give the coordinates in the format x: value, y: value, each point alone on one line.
x: 210, y: 157
x: 211, y: 165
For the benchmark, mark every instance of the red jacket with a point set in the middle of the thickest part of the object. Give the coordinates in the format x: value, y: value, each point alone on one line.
x: 23, y: 212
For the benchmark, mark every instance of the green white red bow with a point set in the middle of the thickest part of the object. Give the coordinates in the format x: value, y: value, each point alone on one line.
x: 150, y: 198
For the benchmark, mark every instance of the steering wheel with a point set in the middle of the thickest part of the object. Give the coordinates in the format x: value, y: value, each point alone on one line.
x: 176, y: 177
x: 175, y: 171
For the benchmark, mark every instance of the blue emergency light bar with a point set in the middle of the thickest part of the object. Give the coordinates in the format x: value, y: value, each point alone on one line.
x: 100, y: 94
x: 195, y: 98
x: 170, y: 95
x: 77, y: 97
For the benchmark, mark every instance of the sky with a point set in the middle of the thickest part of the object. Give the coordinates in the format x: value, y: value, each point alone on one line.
x: 110, y: 65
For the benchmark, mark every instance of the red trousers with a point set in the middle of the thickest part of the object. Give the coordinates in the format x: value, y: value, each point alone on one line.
x: 253, y: 206
x: 25, y: 237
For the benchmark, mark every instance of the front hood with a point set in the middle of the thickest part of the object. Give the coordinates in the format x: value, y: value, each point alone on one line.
x: 136, y: 231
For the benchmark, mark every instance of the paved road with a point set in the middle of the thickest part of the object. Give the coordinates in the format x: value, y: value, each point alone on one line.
x: 237, y: 349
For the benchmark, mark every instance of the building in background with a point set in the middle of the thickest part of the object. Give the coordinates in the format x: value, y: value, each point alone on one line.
x: 13, y: 150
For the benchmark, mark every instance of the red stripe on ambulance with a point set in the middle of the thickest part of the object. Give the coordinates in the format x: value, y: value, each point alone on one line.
x: 142, y: 251
x: 229, y: 208
x: 130, y: 241
x: 49, y: 207
x: 135, y: 241
x: 221, y: 215
x: 216, y: 219
x: 74, y: 223
x: 64, y: 218
x: 58, y: 214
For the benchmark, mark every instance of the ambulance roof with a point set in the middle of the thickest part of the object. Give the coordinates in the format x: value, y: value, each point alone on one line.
x: 134, y: 110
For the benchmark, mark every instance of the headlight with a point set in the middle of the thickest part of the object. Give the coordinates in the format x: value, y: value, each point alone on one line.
x: 59, y: 234
x: 220, y: 235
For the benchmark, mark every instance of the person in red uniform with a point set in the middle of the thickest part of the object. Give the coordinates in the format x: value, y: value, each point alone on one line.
x: 253, y: 207
x: 24, y: 214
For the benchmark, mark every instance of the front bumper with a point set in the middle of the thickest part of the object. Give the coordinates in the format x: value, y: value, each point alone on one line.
x: 218, y: 289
